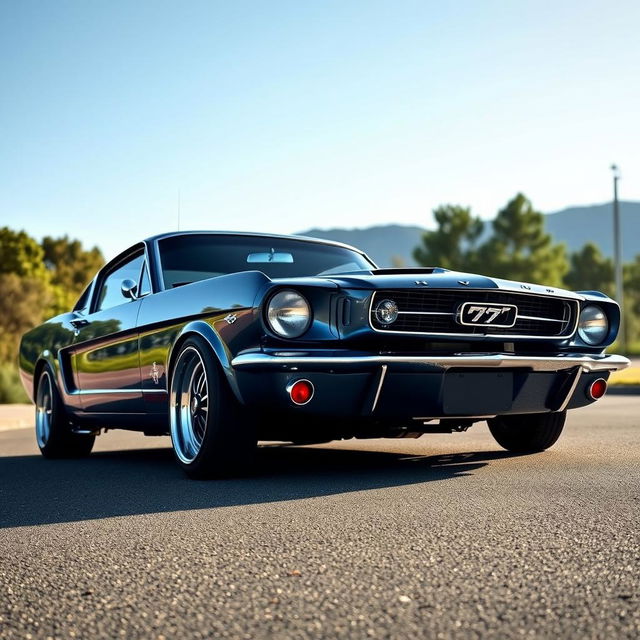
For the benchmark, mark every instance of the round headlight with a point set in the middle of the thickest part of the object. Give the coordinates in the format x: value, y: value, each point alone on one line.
x: 288, y: 314
x: 386, y: 312
x: 593, y: 326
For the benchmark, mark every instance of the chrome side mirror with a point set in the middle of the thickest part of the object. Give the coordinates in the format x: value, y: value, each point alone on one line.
x: 129, y: 289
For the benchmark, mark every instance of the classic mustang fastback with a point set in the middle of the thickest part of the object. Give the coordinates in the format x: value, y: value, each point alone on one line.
x: 223, y: 339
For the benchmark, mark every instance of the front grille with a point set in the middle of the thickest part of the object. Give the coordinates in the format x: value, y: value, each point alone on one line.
x: 435, y: 311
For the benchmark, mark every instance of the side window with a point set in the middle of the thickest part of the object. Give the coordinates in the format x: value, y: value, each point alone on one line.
x: 110, y: 294
x: 82, y: 306
x: 144, y: 285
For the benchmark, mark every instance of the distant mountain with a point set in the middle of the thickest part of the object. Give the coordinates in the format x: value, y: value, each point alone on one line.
x: 383, y: 243
x: 575, y: 226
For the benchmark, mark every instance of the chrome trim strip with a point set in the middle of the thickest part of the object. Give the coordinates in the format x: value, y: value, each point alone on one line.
x: 572, y: 388
x: 488, y: 360
x: 159, y: 272
x: 81, y: 392
x: 444, y: 313
x: 445, y: 417
x: 497, y: 336
x: 541, y: 319
x: 383, y: 373
x: 425, y: 313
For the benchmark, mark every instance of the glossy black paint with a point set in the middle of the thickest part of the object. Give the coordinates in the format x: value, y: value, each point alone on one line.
x: 113, y: 366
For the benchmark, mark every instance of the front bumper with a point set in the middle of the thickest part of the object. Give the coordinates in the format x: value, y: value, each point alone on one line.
x: 351, y: 384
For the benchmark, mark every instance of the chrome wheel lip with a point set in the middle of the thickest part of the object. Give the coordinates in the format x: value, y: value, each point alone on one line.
x: 44, y: 409
x: 189, y: 404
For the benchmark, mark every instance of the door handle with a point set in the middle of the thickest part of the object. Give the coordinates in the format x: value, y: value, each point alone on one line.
x: 77, y: 325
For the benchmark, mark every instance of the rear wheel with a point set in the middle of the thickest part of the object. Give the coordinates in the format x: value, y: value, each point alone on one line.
x: 528, y: 432
x: 53, y: 428
x: 211, y: 434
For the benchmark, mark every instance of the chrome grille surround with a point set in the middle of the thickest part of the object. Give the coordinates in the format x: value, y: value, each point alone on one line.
x: 432, y: 312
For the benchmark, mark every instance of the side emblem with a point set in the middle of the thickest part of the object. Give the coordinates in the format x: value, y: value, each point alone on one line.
x: 424, y: 283
x: 231, y: 318
x: 464, y: 283
x: 155, y: 373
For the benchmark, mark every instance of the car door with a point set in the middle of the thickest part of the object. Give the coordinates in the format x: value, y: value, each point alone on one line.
x: 105, y: 351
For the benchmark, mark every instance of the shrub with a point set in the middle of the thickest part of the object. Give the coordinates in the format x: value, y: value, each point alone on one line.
x: 11, y: 390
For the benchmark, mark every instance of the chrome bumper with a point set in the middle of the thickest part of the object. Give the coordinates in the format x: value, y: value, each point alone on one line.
x: 293, y: 360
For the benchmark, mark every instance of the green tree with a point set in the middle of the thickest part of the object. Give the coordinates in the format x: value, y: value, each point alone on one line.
x: 520, y: 249
x: 71, y: 267
x: 632, y: 286
x: 26, y: 292
x: 24, y: 302
x: 453, y: 244
x: 589, y: 270
x: 21, y: 254
x: 38, y: 281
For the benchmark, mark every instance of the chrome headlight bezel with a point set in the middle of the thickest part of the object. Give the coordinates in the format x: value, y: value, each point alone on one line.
x: 386, y: 312
x: 288, y: 314
x: 593, y: 325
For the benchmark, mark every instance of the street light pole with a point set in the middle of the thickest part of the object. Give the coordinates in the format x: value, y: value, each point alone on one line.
x: 617, y: 254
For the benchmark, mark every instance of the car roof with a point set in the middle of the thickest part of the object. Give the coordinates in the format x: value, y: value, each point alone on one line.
x: 173, y: 234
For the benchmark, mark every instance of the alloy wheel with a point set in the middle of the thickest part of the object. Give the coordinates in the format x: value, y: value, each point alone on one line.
x: 189, y: 404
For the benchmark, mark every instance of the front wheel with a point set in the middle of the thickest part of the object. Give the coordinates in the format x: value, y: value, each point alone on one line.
x: 53, y: 428
x: 527, y: 433
x: 211, y: 434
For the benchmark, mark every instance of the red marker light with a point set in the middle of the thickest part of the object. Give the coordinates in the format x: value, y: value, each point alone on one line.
x: 597, y: 389
x: 300, y: 391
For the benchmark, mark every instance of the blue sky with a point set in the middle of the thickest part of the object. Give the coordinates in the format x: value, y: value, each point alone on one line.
x: 279, y: 116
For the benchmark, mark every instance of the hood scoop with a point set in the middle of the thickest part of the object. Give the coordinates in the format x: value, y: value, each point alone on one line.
x: 402, y: 271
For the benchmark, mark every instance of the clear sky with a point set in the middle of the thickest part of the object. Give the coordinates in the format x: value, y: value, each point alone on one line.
x: 278, y: 116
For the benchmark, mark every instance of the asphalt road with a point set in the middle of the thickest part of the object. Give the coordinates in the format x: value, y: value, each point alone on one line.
x: 445, y: 536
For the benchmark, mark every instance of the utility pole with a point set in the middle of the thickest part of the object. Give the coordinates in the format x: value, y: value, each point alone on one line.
x: 617, y: 255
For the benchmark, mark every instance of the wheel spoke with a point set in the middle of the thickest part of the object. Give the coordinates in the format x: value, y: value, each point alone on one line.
x: 189, y: 417
x: 200, y: 382
x: 44, y: 409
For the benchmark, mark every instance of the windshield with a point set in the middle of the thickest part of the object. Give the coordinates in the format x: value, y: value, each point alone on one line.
x: 189, y: 258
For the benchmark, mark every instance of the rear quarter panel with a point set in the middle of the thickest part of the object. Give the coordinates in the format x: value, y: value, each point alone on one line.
x: 46, y: 343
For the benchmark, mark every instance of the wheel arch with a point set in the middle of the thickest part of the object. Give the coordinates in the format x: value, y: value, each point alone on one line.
x: 41, y: 363
x: 217, y: 346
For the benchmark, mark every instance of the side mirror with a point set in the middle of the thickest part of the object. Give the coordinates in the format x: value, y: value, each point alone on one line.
x: 129, y: 288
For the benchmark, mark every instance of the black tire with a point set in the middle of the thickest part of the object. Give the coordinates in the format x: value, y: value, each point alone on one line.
x: 212, y: 436
x: 527, y: 433
x: 54, y: 433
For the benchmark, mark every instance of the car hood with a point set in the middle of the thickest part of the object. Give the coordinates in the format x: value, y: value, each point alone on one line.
x: 437, y: 278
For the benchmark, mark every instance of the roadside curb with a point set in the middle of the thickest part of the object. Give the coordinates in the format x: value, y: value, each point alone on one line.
x: 14, y: 426
x: 16, y: 416
x: 624, y: 390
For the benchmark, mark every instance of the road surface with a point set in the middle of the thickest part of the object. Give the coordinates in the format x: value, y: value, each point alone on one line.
x: 445, y: 536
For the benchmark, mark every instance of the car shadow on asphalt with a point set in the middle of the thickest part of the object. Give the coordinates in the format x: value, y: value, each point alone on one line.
x: 36, y: 491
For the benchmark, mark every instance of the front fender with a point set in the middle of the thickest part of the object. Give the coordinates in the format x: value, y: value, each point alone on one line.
x: 218, y: 346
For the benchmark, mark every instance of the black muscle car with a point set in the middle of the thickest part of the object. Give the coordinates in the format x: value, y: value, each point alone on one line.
x: 223, y: 339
